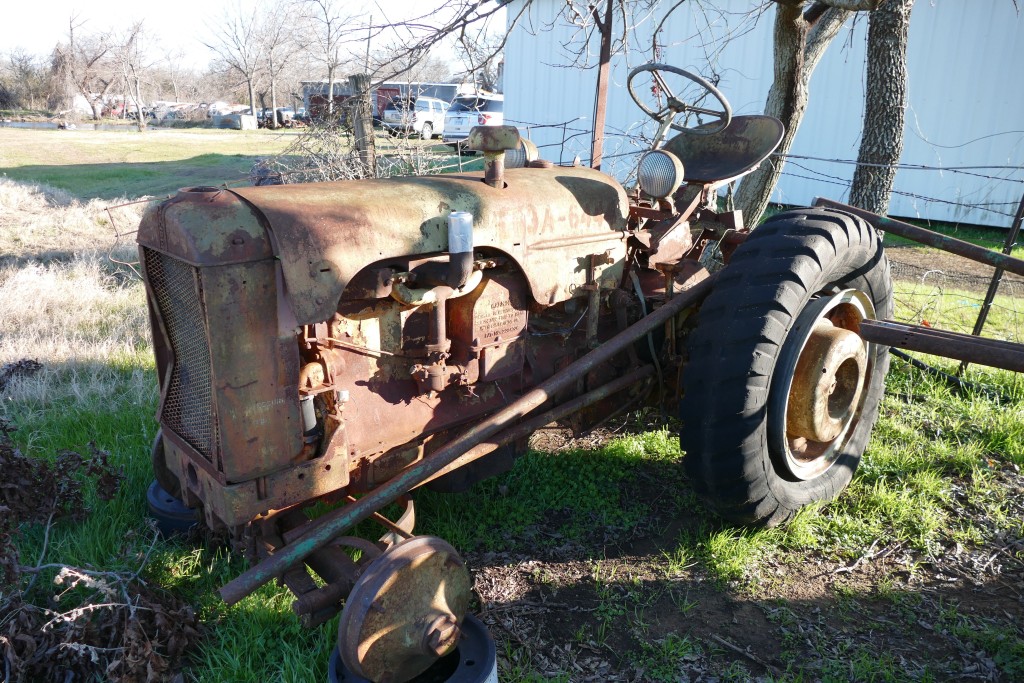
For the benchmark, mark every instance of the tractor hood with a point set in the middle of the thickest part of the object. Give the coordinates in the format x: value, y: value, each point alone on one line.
x: 549, y: 220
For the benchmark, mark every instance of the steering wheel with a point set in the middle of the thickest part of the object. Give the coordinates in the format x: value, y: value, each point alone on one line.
x: 674, y: 106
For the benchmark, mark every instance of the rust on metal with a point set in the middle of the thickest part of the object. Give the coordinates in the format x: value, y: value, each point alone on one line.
x: 827, y: 383
x: 493, y: 138
x: 205, y: 226
x: 493, y: 141
x: 991, y: 352
x: 930, y: 238
x: 334, y: 523
x: 405, y: 610
x: 527, y: 427
x: 314, y: 227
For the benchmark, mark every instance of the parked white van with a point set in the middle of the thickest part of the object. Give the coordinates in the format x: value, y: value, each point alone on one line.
x: 423, y: 116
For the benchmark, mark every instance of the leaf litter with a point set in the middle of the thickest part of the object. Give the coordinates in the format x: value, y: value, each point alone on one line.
x: 88, y: 625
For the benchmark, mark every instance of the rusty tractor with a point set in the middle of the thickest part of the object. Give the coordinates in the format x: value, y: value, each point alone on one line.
x: 349, y: 342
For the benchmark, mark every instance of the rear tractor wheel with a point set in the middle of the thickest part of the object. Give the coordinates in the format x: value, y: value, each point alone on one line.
x: 781, y: 393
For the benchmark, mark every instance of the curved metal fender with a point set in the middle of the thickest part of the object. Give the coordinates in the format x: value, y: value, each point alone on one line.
x: 549, y: 220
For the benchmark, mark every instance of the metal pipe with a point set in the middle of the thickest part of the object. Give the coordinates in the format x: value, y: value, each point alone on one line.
x: 932, y: 239
x: 327, y: 527
x: 527, y: 427
x: 991, y: 352
x: 494, y: 169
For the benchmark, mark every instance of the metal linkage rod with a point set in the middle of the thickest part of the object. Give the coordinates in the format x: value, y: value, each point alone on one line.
x: 333, y: 524
x: 991, y: 352
x: 931, y: 239
x: 527, y: 427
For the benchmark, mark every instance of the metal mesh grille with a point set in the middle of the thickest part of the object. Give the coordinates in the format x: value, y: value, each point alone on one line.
x: 187, y: 408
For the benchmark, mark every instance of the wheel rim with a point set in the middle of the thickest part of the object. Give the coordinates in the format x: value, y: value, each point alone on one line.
x: 405, y: 610
x: 819, y: 384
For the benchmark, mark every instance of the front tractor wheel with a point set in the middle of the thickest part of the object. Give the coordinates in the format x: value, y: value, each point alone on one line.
x: 780, y: 391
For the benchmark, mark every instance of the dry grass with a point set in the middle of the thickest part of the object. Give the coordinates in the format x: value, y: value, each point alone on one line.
x: 63, y: 302
x: 42, y: 223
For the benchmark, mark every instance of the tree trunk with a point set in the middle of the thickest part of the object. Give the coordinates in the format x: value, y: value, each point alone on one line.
x: 601, y: 95
x: 273, y: 96
x: 141, y: 120
x: 799, y: 46
x: 252, y: 96
x: 330, y: 94
x: 362, y: 122
x: 884, y: 108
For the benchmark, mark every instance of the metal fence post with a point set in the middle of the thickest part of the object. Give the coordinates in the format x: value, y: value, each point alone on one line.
x: 997, y: 277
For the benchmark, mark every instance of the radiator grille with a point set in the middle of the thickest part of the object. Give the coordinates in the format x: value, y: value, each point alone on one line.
x: 187, y: 409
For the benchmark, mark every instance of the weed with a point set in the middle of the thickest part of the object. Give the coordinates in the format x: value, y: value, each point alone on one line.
x: 610, y: 606
x: 663, y: 660
x: 682, y: 602
x: 729, y: 553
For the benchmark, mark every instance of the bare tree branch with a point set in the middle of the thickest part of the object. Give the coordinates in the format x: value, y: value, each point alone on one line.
x: 235, y: 39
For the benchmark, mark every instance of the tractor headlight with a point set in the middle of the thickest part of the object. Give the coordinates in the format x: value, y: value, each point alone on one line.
x: 660, y: 173
x: 522, y: 154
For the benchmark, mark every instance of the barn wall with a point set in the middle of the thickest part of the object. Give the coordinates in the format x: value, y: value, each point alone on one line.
x: 966, y: 105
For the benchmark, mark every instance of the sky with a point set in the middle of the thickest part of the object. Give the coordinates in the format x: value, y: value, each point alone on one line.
x: 178, y: 24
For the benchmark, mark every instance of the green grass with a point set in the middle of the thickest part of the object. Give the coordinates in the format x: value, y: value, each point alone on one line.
x: 661, y: 659
x: 112, y: 164
x: 899, y: 495
x: 157, y: 162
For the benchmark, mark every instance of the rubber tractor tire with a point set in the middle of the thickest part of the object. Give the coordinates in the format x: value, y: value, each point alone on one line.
x: 780, y: 393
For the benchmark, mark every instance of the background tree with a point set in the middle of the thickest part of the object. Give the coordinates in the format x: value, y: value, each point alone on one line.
x: 481, y: 54
x: 27, y: 80
x: 607, y: 23
x: 236, y: 39
x: 885, y: 106
x: 172, y: 75
x: 412, y: 41
x: 88, y: 64
x: 802, y: 32
x: 279, y: 46
x: 134, y: 68
x: 326, y: 31
x: 425, y: 70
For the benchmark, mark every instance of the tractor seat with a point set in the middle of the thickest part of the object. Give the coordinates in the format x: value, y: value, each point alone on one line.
x: 735, y: 150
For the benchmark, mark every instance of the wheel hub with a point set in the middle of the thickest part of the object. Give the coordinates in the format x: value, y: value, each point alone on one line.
x: 818, y: 386
x: 827, y: 383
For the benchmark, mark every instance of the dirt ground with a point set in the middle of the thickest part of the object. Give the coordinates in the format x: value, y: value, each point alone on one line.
x: 915, y: 262
x: 612, y: 607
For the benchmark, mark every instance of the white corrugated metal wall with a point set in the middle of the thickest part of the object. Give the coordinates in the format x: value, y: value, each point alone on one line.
x: 966, y: 97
